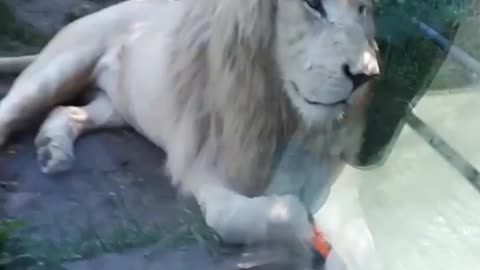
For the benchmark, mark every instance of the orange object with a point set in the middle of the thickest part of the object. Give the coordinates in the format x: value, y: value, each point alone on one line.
x: 319, y: 243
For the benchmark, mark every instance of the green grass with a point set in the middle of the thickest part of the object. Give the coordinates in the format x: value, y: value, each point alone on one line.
x: 10, y: 252
x: 19, y: 251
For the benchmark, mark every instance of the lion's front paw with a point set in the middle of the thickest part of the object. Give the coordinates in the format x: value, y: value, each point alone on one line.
x: 54, y: 155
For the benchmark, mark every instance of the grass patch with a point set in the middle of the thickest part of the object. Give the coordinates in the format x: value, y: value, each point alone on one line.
x: 11, y: 254
x: 43, y: 255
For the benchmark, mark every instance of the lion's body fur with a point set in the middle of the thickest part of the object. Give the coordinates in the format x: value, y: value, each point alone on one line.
x: 210, y: 81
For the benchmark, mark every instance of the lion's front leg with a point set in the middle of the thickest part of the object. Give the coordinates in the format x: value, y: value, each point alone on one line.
x: 274, y: 221
x: 240, y: 219
x: 51, y: 79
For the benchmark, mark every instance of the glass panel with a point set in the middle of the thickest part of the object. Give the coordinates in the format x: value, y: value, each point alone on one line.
x: 418, y: 188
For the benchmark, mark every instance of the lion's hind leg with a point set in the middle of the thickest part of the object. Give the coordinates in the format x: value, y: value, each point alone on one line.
x: 54, y: 77
x: 65, y: 124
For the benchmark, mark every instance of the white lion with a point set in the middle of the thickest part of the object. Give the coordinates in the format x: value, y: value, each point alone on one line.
x: 221, y: 86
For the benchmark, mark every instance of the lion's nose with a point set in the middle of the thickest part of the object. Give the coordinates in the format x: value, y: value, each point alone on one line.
x: 366, y: 69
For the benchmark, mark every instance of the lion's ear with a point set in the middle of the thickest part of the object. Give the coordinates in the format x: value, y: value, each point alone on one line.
x: 242, y: 28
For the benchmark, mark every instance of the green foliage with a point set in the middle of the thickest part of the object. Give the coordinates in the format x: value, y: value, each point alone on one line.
x: 7, y: 230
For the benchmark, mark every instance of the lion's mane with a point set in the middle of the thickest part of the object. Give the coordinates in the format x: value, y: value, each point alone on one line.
x: 228, y: 88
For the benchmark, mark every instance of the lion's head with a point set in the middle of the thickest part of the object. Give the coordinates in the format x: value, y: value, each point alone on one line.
x: 325, y: 49
x: 250, y: 73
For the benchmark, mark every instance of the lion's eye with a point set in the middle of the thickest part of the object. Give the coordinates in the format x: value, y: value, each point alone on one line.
x: 318, y: 6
